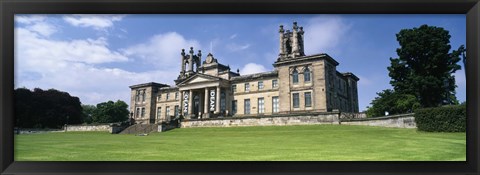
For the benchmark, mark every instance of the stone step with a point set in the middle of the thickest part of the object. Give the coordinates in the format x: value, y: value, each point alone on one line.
x: 140, y: 129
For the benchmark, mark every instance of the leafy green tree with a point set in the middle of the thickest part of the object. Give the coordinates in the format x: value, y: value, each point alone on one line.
x: 424, y: 67
x: 393, y: 103
x: 88, y: 111
x: 46, y: 108
x: 109, y: 112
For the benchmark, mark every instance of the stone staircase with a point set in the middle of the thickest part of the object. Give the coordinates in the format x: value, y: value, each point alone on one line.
x: 140, y: 129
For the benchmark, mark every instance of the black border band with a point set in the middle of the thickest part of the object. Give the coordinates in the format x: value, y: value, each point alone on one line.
x: 11, y: 7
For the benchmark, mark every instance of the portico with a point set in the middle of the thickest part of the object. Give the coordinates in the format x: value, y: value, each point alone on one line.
x: 204, y: 96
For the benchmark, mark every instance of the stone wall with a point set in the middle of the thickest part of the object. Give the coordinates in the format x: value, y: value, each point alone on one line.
x: 279, y: 120
x: 106, y: 128
x: 396, y: 121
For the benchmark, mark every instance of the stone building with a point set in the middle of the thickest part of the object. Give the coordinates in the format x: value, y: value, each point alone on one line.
x: 299, y: 83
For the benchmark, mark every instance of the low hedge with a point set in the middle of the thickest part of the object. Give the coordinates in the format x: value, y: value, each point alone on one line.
x: 442, y: 119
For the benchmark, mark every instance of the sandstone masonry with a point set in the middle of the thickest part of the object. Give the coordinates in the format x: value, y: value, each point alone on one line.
x: 204, y: 89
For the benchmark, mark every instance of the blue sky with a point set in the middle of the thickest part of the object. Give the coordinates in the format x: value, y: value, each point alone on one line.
x: 96, y: 57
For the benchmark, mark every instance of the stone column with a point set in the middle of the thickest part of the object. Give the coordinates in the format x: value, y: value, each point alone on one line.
x: 217, y: 106
x: 190, y: 103
x: 180, y: 106
x: 206, y: 104
x: 227, y: 101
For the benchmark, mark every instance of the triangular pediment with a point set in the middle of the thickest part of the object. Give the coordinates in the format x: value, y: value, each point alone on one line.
x: 199, y: 78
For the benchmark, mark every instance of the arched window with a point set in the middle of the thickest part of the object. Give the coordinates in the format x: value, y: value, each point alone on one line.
x: 306, y: 75
x: 295, y: 76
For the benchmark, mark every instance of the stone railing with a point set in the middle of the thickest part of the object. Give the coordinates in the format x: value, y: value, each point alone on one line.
x: 397, y: 121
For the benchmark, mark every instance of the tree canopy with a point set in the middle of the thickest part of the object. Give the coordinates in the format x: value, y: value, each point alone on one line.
x: 425, y: 65
x: 421, y: 76
x: 46, y: 109
x: 393, y: 103
x: 110, y: 112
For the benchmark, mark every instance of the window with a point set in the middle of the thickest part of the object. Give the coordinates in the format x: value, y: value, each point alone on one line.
x: 296, y: 100
x: 234, y: 88
x: 167, y: 111
x: 246, y: 105
x: 176, y: 95
x: 274, y: 83
x: 295, y: 76
x: 143, y: 112
x: 143, y: 96
x: 176, y: 112
x: 306, y: 75
x: 159, y: 97
x: 247, y: 87
x: 234, y: 107
x: 275, y: 104
x: 261, y: 105
x: 137, y: 96
x: 138, y: 113
x: 159, y: 113
x: 260, y: 85
x: 308, y: 99
x: 168, y: 96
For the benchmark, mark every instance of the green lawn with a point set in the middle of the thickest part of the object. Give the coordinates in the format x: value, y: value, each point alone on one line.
x: 317, y: 142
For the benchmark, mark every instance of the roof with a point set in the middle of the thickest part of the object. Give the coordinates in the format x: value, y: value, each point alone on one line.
x: 169, y: 88
x: 148, y: 84
x: 349, y: 74
x: 306, y: 58
x: 255, y: 76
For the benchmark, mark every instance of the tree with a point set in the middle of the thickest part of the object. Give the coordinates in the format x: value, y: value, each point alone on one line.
x: 88, y: 111
x: 46, y: 109
x: 424, y: 67
x: 393, y: 103
x: 109, y: 112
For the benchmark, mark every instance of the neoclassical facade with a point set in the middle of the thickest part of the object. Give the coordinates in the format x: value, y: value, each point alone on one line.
x: 299, y: 83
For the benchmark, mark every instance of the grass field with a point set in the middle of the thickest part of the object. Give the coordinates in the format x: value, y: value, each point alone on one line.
x: 318, y: 142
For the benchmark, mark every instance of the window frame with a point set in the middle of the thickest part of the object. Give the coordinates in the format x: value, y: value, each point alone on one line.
x: 310, y: 99
x: 246, y: 110
x: 297, y: 100
x: 260, y: 85
x: 275, y: 83
x: 275, y: 105
x: 261, y: 106
x: 306, y: 73
x: 295, y: 76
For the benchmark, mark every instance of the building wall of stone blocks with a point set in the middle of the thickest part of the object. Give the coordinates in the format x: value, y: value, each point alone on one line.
x: 253, y: 96
x: 163, y: 107
x: 319, y: 86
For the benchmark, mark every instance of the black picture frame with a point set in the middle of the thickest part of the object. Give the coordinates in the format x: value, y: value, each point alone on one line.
x: 8, y: 8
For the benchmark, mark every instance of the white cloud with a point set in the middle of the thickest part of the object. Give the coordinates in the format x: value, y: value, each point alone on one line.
x: 72, y: 66
x: 37, y: 24
x: 43, y: 28
x: 97, y: 21
x: 252, y: 68
x: 31, y: 46
x: 324, y: 34
x: 163, y: 50
x: 29, y: 19
x: 233, y: 47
